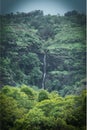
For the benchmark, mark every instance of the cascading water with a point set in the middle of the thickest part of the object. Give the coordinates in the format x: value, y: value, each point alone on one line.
x: 44, y: 71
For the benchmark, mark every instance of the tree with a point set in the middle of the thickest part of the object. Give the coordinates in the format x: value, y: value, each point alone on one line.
x: 33, y: 119
x: 71, y: 13
x: 9, y: 112
x: 43, y: 95
x: 28, y: 91
x: 78, y: 115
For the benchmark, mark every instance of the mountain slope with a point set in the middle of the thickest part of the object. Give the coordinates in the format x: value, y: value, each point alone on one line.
x: 27, y: 38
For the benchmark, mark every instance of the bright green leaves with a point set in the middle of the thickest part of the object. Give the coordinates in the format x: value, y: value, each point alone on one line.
x: 29, y: 92
x: 24, y: 96
x: 9, y: 112
x: 43, y: 94
x: 24, y: 108
x: 33, y: 119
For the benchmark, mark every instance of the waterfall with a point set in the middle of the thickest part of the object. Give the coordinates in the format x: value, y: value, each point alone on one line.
x: 44, y: 71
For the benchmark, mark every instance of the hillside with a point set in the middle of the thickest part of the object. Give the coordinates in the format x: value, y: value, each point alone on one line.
x: 47, y: 51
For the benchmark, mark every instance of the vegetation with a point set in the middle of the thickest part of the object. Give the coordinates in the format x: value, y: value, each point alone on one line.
x: 26, y: 37
x: 42, y: 71
x: 27, y: 109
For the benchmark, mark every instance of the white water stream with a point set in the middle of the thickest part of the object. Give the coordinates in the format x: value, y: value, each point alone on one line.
x: 44, y: 71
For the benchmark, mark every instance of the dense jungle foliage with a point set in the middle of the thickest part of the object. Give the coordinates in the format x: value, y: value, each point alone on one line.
x: 24, y: 108
x: 27, y: 37
x: 42, y: 71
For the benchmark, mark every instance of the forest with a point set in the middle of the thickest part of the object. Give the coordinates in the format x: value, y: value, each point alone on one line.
x: 43, y: 71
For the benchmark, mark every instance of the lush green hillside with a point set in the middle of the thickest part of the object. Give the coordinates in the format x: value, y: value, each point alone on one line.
x: 23, y: 108
x: 44, y: 51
